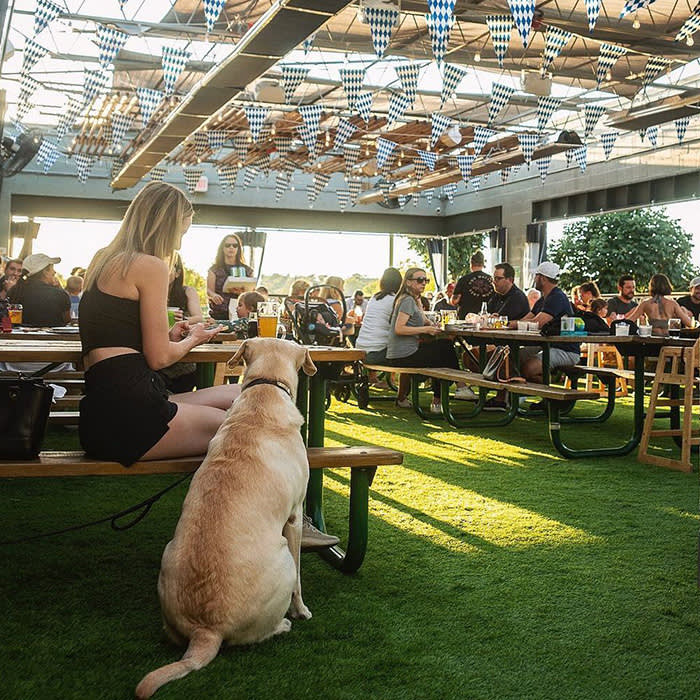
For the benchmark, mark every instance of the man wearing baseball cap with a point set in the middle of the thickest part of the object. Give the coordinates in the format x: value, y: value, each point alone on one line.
x: 692, y: 301
x: 44, y: 302
x: 553, y: 304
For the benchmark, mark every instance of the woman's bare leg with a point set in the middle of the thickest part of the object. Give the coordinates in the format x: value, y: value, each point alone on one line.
x: 217, y: 396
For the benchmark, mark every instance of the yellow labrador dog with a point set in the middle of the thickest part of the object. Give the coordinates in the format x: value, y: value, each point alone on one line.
x: 231, y: 572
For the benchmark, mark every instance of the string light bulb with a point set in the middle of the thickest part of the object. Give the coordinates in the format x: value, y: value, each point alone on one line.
x: 689, y: 41
x: 477, y: 57
x: 636, y: 24
x: 608, y: 75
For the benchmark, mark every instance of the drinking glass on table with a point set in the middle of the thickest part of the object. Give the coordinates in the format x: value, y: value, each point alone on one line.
x: 15, y: 311
x: 267, y: 319
x: 674, y: 327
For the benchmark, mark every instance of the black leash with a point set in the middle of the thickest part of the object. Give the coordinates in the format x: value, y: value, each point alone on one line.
x: 145, y: 506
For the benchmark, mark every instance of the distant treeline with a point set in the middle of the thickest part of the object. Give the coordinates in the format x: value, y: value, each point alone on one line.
x: 280, y: 284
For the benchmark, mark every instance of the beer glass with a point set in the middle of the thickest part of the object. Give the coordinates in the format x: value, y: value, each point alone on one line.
x: 267, y: 319
x: 674, y: 327
x: 15, y: 312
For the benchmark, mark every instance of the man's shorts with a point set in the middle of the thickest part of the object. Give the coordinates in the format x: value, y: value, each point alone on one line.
x: 557, y: 356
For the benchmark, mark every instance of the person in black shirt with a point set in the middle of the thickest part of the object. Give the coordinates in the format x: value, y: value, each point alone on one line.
x: 472, y: 290
x: 692, y: 301
x: 508, y: 300
x: 624, y: 302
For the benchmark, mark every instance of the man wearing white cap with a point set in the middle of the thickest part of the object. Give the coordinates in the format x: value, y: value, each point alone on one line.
x: 553, y: 304
x: 44, y: 302
x: 692, y: 301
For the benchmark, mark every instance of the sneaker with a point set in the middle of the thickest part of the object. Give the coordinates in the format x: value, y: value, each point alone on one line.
x: 404, y: 403
x: 436, y: 408
x: 495, y: 404
x: 313, y: 538
x: 537, y: 407
x: 466, y: 394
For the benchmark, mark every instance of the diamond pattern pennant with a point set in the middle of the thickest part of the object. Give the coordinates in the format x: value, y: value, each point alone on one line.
x: 592, y: 10
x: 292, y: 78
x: 440, y: 20
x: 251, y: 172
x: 475, y: 183
x: 27, y: 87
x: 500, y: 27
x: 309, y: 140
x: 481, y: 136
x: 256, y: 117
x: 607, y: 140
x: 543, y: 166
x: 408, y: 75
x: 439, y: 124
x: 117, y: 165
x: 45, y: 149
x: 449, y: 191
x: 281, y: 184
x: 50, y: 157
x: 398, y: 104
x: 500, y: 94
x: 23, y: 108
x: 262, y: 163
x: 308, y: 43
x: 351, y: 154
x: 593, y: 114
x: 580, y: 156
x: 227, y: 176
x: 174, y: 61
x: 109, y: 43
x: 364, y: 105
x: 192, y: 176
x: 464, y: 163
x: 319, y: 182
x: 429, y: 194
x: 528, y: 141
x: 344, y: 131
x: 95, y: 83
x: 46, y: 11
x: 523, y: 12
x: 384, y: 150
x: 429, y: 158
x: 121, y: 123
x: 546, y: 106
x: 555, y: 39
x: 634, y: 5
x: 381, y: 25
x: 31, y: 54
x: 68, y: 118
x: 607, y: 57
x: 212, y: 10
x: 352, y: 79
x: 201, y: 143
x: 419, y: 168
x: 148, y: 102
x: 653, y: 135
x: 451, y: 78
x: 354, y: 187
x: 655, y: 65
x: 505, y: 174
x: 240, y: 145
x: 84, y: 166
x: 690, y: 26
x: 311, y: 114
x: 217, y: 139
x: 681, y: 127
x: 158, y: 173
x: 343, y: 199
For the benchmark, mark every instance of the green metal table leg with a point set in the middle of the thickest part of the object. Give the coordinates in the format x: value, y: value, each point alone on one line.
x: 314, y: 491
x: 350, y: 561
x: 465, y: 420
x: 303, y: 404
x: 416, y: 380
x: 205, y: 374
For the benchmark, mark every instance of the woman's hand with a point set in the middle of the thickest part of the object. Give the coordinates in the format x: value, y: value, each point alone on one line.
x: 431, y: 330
x: 179, y: 331
x: 199, y: 333
x: 216, y: 298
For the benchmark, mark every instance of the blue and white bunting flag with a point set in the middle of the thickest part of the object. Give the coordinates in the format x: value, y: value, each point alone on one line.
x: 23, y: 108
x: 31, y: 55
x: 429, y: 158
x: 217, y: 138
x: 50, y: 156
x: 282, y: 180
x: 500, y: 94
x: 149, y: 100
x: 256, y: 117
x: 212, y: 10
x: 408, y: 75
x: 292, y: 78
x: 381, y: 25
x: 546, y: 106
x: 344, y: 131
x: 475, y: 183
x: 385, y: 149
x: 45, y: 149
x: 351, y: 154
x: 398, y: 104
x: 227, y: 176
x: 543, y: 166
x: 419, y: 168
x: 68, y: 117
x: 481, y: 136
x: 319, y: 183
x: 653, y: 135
x: 607, y: 140
x: 449, y: 191
x: 354, y: 187
x: 343, y: 198
x: 528, y: 141
x: 592, y: 10
x: 308, y: 43
x: 555, y: 39
x: 94, y: 85
x: 121, y: 123
x: 681, y: 127
x: 310, y: 140
x: 311, y: 114
x: 464, y: 163
x: 403, y: 200
x: 505, y: 174
x: 158, y: 173
x: 440, y: 20
x: 364, y: 105
x: 109, y: 43
x: 593, y: 114
x: 174, y: 61
x: 451, y: 77
x: 690, y: 26
x: 580, y: 156
x: 192, y: 176
x: 440, y: 123
x: 27, y: 87
x: 642, y: 134
x: 251, y: 172
x: 84, y: 166
x: 46, y: 11
x: 282, y: 145
x: 201, y: 143
x: 116, y: 168
x: 262, y: 163
x: 655, y: 65
x: 500, y: 28
x: 608, y: 56
x: 240, y: 145
x: 523, y: 13
x: 634, y: 5
x: 352, y: 79
x: 429, y: 194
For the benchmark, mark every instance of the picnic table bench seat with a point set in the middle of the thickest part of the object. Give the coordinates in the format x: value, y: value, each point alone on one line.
x: 362, y: 461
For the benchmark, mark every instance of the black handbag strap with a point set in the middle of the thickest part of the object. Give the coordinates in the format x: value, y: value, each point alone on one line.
x: 41, y: 372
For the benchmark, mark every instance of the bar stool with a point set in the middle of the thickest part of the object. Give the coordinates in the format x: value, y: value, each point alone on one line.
x: 604, y: 356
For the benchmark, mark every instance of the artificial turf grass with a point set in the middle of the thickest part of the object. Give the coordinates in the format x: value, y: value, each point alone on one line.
x: 495, y: 569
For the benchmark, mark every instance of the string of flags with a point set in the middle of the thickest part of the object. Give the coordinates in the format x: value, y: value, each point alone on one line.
x: 608, y: 56
x: 256, y: 117
x: 546, y: 106
x: 408, y: 75
x: 500, y: 95
x: 173, y: 61
x: 109, y: 43
x: 212, y: 10
x: 352, y: 79
x: 593, y: 113
x: 440, y: 20
x: 523, y: 12
x: 608, y: 142
x: 452, y: 77
x: 592, y: 11
x: 500, y: 27
x: 381, y: 26
x: 292, y: 78
x: 158, y: 173
x: 690, y: 26
x: 148, y: 100
x: 681, y: 127
x: 46, y: 11
x: 84, y: 166
x: 192, y: 176
x: 555, y: 39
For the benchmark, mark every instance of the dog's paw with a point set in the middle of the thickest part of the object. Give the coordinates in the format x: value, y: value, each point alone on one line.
x: 300, y: 612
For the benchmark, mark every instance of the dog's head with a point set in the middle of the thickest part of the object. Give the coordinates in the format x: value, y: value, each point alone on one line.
x: 270, y: 358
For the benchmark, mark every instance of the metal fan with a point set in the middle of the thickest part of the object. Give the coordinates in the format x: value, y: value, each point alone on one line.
x: 16, y: 153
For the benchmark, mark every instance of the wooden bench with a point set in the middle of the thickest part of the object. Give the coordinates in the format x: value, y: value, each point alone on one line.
x: 362, y: 461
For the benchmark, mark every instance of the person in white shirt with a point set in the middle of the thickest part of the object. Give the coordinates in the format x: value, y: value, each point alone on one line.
x: 374, y: 333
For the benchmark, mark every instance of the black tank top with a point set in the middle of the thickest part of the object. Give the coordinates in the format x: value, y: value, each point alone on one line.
x: 107, y: 321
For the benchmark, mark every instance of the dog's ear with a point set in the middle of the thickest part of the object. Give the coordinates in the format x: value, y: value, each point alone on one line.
x: 240, y: 355
x: 308, y: 366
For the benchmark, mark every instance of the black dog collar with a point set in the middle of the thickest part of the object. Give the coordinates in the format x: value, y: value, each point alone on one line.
x: 273, y: 382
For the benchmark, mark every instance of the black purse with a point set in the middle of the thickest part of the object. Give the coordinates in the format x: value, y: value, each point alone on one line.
x: 25, y: 403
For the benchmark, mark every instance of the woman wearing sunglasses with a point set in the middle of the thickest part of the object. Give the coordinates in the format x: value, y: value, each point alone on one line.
x: 229, y: 261
x: 408, y: 323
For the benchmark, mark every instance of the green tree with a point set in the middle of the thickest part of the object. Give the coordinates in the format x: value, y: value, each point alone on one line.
x: 461, y: 250
x: 640, y: 243
x: 194, y: 279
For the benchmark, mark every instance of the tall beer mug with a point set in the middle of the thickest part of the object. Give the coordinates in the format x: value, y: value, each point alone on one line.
x: 267, y: 319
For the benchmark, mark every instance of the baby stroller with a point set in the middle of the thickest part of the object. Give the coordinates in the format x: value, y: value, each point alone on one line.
x: 314, y: 322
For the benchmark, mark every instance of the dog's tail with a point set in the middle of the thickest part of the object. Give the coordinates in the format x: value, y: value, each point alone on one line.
x: 203, y: 648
